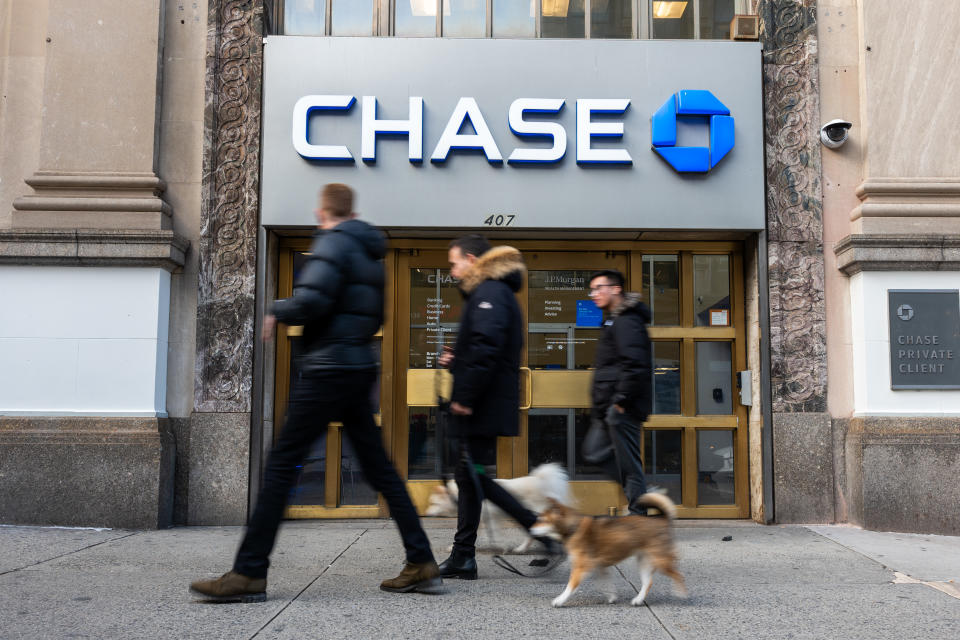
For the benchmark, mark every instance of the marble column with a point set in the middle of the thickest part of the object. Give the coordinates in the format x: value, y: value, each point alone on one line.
x: 220, y: 425
x: 803, y: 458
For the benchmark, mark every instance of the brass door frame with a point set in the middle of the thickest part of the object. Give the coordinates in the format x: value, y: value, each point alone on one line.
x: 513, y: 452
x: 688, y: 421
x: 331, y: 508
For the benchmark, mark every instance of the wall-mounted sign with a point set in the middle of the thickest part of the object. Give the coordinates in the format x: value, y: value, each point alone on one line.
x: 461, y: 133
x: 924, y: 339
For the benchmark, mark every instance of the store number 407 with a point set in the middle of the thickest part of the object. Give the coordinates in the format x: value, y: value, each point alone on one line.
x: 499, y: 220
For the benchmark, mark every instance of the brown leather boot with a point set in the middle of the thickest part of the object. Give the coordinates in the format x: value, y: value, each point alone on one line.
x: 423, y: 577
x: 232, y: 587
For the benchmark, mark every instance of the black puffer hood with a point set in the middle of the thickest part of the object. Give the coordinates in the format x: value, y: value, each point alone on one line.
x: 499, y: 263
x: 367, y: 235
x: 632, y: 300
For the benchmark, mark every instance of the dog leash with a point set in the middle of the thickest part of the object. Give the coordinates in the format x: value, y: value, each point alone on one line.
x: 546, y: 565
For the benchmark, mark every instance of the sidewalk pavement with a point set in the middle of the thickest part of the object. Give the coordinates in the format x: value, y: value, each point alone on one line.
x: 766, y: 582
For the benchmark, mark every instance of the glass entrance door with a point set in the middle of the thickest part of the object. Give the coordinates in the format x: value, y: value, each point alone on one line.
x: 563, y: 327
x: 694, y: 443
x: 331, y: 484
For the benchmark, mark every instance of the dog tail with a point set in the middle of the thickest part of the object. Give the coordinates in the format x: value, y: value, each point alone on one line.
x: 660, y: 502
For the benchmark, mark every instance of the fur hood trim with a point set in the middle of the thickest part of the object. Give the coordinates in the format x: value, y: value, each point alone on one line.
x: 631, y: 300
x: 495, y: 264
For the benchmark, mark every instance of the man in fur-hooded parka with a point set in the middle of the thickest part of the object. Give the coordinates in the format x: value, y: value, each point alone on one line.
x: 486, y: 394
x: 486, y: 360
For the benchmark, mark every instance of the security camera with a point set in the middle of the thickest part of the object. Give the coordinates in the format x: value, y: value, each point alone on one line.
x: 834, y: 133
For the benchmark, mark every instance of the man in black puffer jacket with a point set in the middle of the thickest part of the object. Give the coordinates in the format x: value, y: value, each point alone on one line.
x: 338, y: 298
x: 486, y: 389
x: 623, y: 379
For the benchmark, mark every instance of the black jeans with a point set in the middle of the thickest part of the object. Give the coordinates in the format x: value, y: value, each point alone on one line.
x: 474, y: 487
x: 626, y: 466
x: 316, y: 401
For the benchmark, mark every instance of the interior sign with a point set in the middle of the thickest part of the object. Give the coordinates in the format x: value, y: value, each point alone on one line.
x: 467, y: 111
x: 924, y: 339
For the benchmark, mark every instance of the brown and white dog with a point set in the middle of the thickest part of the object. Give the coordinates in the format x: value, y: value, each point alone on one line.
x: 596, y: 544
x: 546, y: 482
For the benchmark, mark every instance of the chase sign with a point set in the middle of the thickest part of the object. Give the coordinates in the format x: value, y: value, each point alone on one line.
x: 467, y: 114
x: 531, y: 134
x: 663, y: 131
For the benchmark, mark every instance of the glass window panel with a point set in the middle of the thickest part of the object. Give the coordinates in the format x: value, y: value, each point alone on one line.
x: 304, y: 17
x: 714, y: 373
x: 351, y: 18
x: 425, y: 457
x: 415, y: 18
x: 715, y: 17
x: 464, y: 18
x: 311, y: 484
x: 434, y: 315
x: 555, y: 435
x: 611, y: 19
x: 671, y: 20
x: 562, y: 19
x: 514, y: 18
x: 584, y: 470
x: 563, y: 320
x: 666, y: 377
x: 547, y: 429
x: 354, y: 489
x: 661, y: 289
x: 711, y: 291
x: 663, y: 460
x: 715, y: 467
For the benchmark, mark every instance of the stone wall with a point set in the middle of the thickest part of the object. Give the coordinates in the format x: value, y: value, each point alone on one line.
x: 86, y: 471
x: 80, y: 189
x: 899, y: 473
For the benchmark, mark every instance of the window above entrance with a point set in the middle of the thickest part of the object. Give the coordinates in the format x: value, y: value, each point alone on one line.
x: 625, y: 19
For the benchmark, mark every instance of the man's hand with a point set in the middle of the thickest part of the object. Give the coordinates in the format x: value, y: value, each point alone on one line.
x: 446, y: 358
x: 269, y: 327
x: 618, y: 408
x: 458, y: 409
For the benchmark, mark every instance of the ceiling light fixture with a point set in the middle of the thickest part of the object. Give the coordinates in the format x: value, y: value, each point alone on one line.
x: 668, y: 10
x: 555, y: 8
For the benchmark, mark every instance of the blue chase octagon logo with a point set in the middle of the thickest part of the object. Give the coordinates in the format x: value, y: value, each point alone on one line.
x: 696, y: 103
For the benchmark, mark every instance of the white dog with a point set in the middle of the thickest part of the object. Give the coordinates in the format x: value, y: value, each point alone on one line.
x: 546, y: 482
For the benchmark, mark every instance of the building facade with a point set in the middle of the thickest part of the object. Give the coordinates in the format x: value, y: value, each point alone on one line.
x: 158, y: 176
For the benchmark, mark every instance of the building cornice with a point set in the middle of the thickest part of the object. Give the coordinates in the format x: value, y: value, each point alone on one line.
x: 901, y: 252
x: 93, y: 248
x: 908, y: 198
x: 93, y: 200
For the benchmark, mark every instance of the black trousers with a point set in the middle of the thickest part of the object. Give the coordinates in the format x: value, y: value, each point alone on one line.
x: 316, y: 401
x: 474, y: 487
x: 626, y: 466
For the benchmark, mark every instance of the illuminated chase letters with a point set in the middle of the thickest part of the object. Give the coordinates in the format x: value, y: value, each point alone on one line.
x: 663, y: 130
x: 482, y: 139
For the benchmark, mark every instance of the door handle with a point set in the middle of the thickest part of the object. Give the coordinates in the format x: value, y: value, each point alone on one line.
x: 528, y: 396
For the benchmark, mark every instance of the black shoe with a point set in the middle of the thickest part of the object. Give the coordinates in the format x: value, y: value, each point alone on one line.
x: 460, y: 566
x: 551, y: 547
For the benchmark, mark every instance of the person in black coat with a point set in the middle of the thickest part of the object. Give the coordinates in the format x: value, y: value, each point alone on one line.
x: 338, y: 298
x: 622, y: 380
x: 486, y: 389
